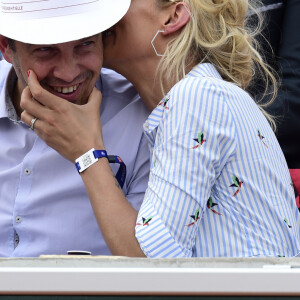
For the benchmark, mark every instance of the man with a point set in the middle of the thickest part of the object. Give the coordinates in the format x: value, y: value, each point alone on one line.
x: 44, y: 208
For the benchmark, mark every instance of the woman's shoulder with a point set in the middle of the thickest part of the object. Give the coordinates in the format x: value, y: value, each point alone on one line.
x: 204, y: 83
x: 206, y: 74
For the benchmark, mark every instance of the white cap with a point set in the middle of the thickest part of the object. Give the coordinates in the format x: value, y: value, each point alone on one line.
x: 58, y: 21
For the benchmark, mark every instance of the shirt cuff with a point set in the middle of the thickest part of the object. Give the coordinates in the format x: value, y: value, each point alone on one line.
x: 155, y: 239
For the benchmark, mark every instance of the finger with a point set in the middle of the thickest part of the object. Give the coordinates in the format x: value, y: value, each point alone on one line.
x: 26, y: 117
x: 42, y: 95
x: 32, y: 106
x: 38, y: 126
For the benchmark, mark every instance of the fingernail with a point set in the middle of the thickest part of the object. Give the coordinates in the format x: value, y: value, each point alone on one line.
x: 28, y: 73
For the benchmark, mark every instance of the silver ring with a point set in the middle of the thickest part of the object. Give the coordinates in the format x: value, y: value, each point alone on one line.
x: 32, y: 123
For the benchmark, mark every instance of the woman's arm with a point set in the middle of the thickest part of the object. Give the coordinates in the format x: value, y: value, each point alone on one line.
x: 72, y: 130
x: 115, y: 216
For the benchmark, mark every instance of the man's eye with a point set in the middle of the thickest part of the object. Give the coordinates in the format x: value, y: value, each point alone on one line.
x: 43, y: 49
x: 87, y: 43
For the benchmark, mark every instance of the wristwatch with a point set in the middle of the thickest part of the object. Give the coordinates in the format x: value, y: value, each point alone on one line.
x: 92, y: 156
x: 89, y: 158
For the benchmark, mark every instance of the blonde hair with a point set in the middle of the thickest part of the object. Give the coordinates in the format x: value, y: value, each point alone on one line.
x: 220, y: 33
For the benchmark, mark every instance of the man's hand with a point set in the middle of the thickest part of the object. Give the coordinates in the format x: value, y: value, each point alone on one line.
x: 68, y: 128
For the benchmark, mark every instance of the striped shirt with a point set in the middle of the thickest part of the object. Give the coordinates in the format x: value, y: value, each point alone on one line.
x: 219, y: 184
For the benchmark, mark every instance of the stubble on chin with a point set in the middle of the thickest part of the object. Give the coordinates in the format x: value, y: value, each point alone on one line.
x: 21, y: 78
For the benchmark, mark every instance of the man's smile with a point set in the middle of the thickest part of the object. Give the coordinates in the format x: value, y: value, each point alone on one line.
x: 66, y: 90
x: 70, y: 93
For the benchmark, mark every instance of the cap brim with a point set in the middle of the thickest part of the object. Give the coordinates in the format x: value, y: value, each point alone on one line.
x: 63, y: 29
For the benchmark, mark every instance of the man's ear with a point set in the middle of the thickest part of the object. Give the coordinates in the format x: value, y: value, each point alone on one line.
x: 5, y: 49
x: 179, y: 16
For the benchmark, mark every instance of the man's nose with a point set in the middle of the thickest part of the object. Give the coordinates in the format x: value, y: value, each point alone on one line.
x: 66, y: 69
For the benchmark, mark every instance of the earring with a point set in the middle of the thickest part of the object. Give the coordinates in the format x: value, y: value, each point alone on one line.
x: 152, y: 42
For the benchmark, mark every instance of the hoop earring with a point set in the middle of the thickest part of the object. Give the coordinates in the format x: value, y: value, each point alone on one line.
x: 152, y: 42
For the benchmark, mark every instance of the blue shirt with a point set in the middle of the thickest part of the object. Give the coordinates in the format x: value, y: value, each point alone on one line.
x: 44, y: 208
x: 219, y: 185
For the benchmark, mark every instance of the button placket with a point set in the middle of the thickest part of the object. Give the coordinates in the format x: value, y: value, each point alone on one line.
x: 17, y: 239
x: 27, y: 171
x: 18, y: 219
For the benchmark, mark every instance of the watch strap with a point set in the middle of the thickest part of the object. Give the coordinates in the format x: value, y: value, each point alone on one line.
x: 121, y: 174
x: 90, y: 157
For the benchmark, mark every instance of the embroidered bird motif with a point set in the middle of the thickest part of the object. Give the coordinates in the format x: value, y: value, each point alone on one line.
x: 195, y: 217
x: 287, y: 223
x: 210, y: 204
x: 261, y: 137
x: 200, y: 140
x: 145, y: 221
x: 164, y: 102
x: 236, y: 183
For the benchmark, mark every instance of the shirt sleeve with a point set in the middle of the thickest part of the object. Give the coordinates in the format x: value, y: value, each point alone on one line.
x: 194, y: 141
x: 137, y: 183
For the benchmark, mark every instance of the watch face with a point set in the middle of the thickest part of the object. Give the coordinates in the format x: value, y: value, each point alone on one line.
x: 87, y: 160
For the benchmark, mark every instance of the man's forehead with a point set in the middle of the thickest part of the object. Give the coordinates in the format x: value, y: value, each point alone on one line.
x: 28, y: 45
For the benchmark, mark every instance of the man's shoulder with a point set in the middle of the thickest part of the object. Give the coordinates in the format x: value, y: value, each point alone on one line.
x: 107, y: 74
x: 5, y: 67
x: 114, y: 83
x: 120, y: 98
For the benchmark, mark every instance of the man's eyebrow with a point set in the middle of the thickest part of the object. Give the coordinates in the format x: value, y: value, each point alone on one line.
x: 53, y: 45
x: 87, y: 38
x: 39, y: 45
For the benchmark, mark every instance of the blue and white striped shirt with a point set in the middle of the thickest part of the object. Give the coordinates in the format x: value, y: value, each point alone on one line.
x: 219, y: 185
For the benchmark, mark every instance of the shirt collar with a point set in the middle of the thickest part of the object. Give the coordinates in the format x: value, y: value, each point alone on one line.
x: 154, y: 118
x: 7, y: 109
x: 200, y: 70
x: 204, y: 70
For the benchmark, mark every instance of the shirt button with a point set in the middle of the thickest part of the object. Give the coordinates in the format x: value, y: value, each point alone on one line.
x: 18, y: 219
x: 27, y: 171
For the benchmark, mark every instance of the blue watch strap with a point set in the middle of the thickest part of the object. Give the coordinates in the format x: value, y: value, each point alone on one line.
x: 100, y: 153
x: 121, y: 174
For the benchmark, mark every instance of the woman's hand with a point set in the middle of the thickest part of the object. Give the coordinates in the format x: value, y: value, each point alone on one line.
x: 68, y: 128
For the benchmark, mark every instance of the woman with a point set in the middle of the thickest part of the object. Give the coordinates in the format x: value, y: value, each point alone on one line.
x: 219, y: 184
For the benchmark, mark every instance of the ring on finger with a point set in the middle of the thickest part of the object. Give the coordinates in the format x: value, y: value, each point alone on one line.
x: 32, y: 123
